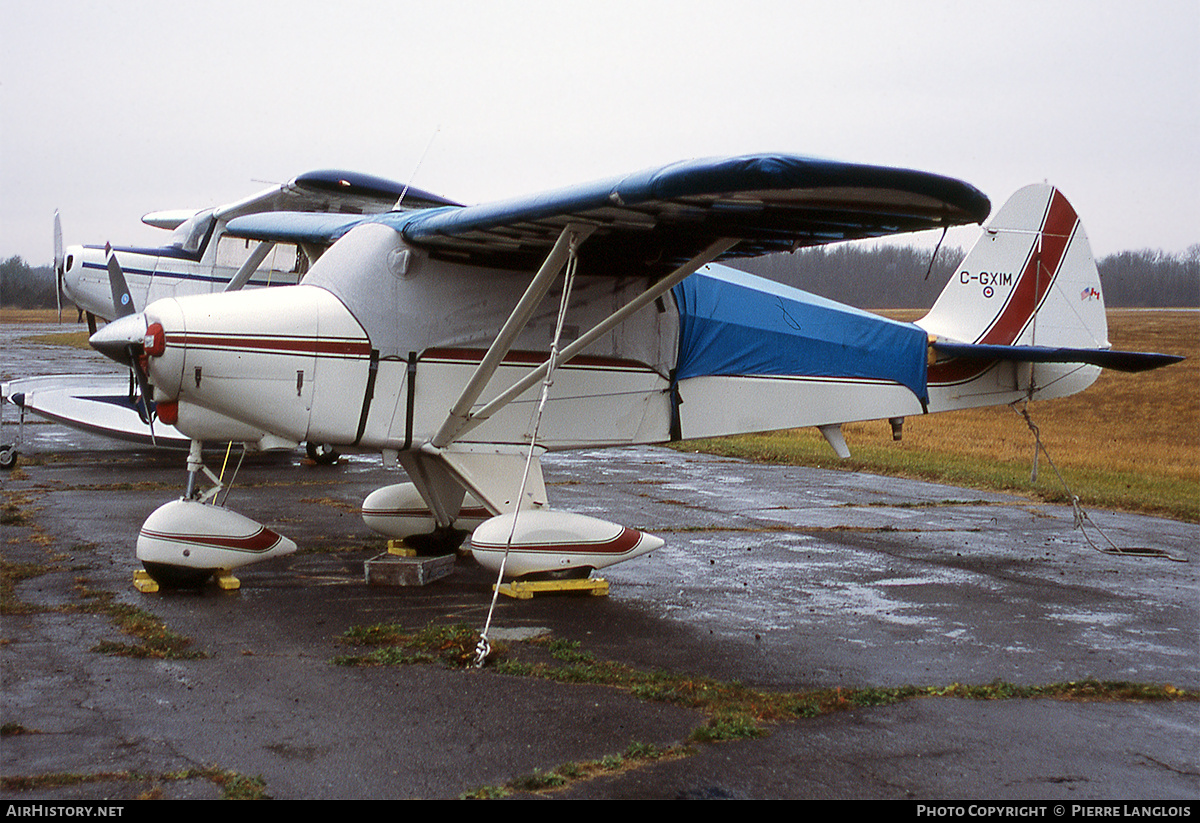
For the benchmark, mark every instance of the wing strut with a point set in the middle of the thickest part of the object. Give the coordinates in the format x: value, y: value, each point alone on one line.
x: 250, y: 266
x: 660, y: 288
x: 568, y: 242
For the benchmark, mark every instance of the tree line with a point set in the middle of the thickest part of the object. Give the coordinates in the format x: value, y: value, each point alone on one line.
x: 878, y: 277
x: 1150, y: 279
x: 903, y: 277
x: 25, y: 287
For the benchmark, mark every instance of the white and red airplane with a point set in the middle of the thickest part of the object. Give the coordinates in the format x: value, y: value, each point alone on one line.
x: 464, y: 341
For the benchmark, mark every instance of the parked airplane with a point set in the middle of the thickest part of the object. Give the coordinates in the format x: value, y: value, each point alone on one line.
x: 423, y: 335
x: 199, y: 258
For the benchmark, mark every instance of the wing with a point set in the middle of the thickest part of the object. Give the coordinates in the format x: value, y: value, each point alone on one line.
x: 170, y: 219
x: 648, y: 223
x: 330, y: 191
x: 659, y: 218
x: 335, y: 190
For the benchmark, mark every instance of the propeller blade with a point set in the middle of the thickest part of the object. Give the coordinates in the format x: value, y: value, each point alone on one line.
x: 122, y: 299
x: 124, y: 340
x: 134, y: 352
x: 59, y: 263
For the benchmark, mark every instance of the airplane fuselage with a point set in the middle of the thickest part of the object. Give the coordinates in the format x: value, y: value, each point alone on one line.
x: 201, y: 257
x: 300, y: 362
x: 377, y: 343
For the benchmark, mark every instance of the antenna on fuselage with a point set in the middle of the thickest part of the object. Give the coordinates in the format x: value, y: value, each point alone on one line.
x: 416, y: 168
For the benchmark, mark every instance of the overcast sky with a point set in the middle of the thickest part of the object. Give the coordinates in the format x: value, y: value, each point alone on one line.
x: 112, y: 109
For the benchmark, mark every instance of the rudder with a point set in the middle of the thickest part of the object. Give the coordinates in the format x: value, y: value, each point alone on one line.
x: 1029, y: 280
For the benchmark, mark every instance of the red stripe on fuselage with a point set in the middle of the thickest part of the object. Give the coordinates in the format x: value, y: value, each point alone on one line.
x: 275, y: 345
x: 516, y: 357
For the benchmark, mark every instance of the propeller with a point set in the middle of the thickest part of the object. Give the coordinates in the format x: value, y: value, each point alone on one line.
x: 144, y: 387
x: 59, y: 263
x: 124, y: 339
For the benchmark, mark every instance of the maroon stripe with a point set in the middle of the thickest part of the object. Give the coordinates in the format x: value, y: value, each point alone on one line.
x: 261, y: 541
x: 470, y: 513
x: 1058, y: 227
x: 621, y: 544
x: 1039, y: 273
x: 530, y: 358
x: 275, y: 345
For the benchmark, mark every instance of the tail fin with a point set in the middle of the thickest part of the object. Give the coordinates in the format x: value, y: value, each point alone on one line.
x: 1030, y: 280
x: 1023, y: 315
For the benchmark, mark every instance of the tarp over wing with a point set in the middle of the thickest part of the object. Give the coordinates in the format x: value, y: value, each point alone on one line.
x: 733, y: 323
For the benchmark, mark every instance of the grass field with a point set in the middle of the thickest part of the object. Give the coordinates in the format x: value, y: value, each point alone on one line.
x: 1130, y: 442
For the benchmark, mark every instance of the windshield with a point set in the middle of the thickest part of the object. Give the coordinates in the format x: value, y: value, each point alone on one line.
x: 191, y: 234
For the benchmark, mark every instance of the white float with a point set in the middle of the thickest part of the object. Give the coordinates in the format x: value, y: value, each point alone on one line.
x: 186, y: 540
x: 399, y: 512
x: 555, y: 542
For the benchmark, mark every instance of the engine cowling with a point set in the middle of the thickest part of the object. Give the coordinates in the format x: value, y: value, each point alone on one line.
x: 257, y: 358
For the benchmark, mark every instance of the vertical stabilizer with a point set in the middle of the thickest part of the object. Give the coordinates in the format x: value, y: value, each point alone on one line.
x: 1030, y: 280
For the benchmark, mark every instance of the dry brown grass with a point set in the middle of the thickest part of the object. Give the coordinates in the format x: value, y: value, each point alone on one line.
x: 1131, y: 441
x: 11, y: 315
x: 1148, y: 422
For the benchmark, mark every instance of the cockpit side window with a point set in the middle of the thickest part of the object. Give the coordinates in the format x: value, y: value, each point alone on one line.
x: 193, y: 232
x: 283, y: 258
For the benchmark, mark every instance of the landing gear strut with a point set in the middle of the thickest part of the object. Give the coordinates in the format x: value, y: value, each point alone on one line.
x: 8, y: 451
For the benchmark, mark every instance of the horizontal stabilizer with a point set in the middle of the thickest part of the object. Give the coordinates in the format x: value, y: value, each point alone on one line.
x: 1127, y: 361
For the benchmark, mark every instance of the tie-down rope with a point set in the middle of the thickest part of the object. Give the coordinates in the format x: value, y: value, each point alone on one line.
x: 1081, y: 516
x: 484, y: 647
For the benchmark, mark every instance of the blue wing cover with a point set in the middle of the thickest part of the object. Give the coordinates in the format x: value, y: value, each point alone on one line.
x: 650, y: 221
x: 295, y: 227
x: 646, y: 224
x: 733, y: 323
